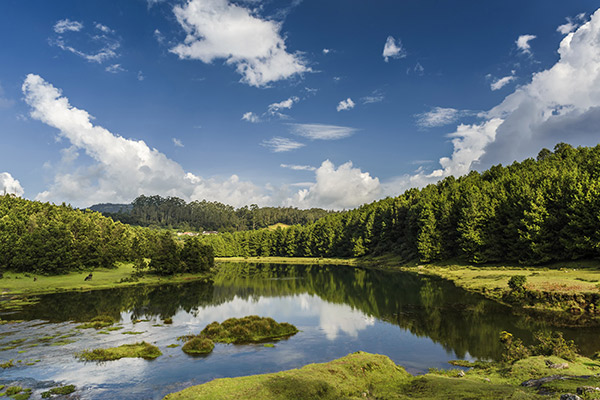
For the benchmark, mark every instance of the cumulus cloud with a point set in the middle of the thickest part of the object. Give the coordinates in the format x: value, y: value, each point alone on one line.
x: 298, y: 167
x: 66, y: 24
x: 102, y: 46
x: 339, y: 188
x: 560, y: 104
x: 326, y: 51
x: 440, y: 116
x: 9, y: 185
x: 140, y: 76
x: 177, y: 143
x: 391, y: 49
x: 279, y: 144
x: 321, y: 131
x: 523, y: 43
x: 217, y: 29
x: 347, y: 104
x: 501, y: 82
x: 251, y: 117
x: 121, y: 168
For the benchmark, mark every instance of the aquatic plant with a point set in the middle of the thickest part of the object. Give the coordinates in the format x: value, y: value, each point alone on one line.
x: 99, y: 322
x: 62, y: 390
x: 198, y: 345
x: 247, y: 329
x: 138, y: 350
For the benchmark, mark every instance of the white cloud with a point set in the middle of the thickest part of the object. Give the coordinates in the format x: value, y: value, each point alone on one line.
x: 115, y: 69
x: 103, y: 28
x: 285, y: 104
x: 440, y: 116
x: 560, y: 104
x: 571, y: 25
x: 65, y: 25
x: 279, y: 144
x: 251, y: 117
x: 104, y: 45
x: 160, y: 38
x: 393, y: 50
x: 501, y: 82
x: 217, y: 29
x: 347, y: 104
x: 376, y: 97
x: 523, y: 43
x: 10, y: 185
x: 326, y: 51
x: 321, y: 131
x: 177, y: 142
x: 298, y: 167
x: 341, y: 188
x: 121, y: 168
x: 140, y: 76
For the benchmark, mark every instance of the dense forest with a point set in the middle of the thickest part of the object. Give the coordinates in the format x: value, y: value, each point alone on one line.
x: 534, y: 211
x: 43, y: 238
x: 173, y: 212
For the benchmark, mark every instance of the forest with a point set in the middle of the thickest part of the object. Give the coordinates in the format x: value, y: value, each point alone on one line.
x: 535, y: 211
x: 43, y: 238
x: 173, y: 212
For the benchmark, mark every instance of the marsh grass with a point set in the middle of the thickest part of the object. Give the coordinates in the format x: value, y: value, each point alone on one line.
x: 60, y: 391
x: 99, y: 322
x: 137, y: 350
x: 250, y: 329
x: 198, y: 345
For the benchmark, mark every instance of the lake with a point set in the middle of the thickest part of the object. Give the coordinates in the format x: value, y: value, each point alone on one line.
x: 419, y: 322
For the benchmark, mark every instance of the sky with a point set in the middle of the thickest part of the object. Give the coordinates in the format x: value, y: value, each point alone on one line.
x: 303, y: 103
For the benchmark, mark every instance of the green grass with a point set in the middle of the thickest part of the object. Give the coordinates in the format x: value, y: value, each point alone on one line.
x: 99, y: 322
x: 363, y: 375
x: 247, y: 330
x: 103, y: 278
x: 289, y: 260
x: 138, y: 350
x: 198, y: 345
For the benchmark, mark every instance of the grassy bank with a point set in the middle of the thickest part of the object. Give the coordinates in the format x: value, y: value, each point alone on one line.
x: 289, y: 260
x: 16, y: 286
x: 368, y: 376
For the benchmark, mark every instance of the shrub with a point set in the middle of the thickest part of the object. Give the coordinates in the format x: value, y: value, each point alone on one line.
x: 553, y: 344
x: 517, y: 283
x: 514, y: 349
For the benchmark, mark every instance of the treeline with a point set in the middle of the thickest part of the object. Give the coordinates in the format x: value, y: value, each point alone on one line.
x: 534, y: 211
x: 173, y: 212
x: 44, y: 238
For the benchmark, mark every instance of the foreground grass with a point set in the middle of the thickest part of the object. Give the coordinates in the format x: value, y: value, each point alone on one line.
x: 138, y: 350
x: 103, y: 278
x: 370, y: 376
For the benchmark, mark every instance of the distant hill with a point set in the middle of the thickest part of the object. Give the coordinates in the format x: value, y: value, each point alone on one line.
x: 173, y: 212
x: 112, y: 208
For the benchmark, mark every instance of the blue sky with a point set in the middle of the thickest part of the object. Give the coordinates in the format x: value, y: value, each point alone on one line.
x: 303, y: 103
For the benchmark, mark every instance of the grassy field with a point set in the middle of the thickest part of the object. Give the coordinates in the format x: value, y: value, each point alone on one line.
x: 103, y: 278
x: 369, y: 376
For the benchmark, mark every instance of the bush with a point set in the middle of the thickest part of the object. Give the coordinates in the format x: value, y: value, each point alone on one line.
x: 517, y: 283
x: 514, y: 349
x: 553, y: 344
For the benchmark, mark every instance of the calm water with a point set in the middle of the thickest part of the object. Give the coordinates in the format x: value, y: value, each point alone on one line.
x: 418, y: 322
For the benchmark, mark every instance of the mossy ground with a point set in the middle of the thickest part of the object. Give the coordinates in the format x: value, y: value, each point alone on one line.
x: 369, y: 376
x: 247, y: 330
x: 137, y: 350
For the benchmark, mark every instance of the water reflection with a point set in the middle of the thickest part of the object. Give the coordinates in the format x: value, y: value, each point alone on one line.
x: 417, y: 321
